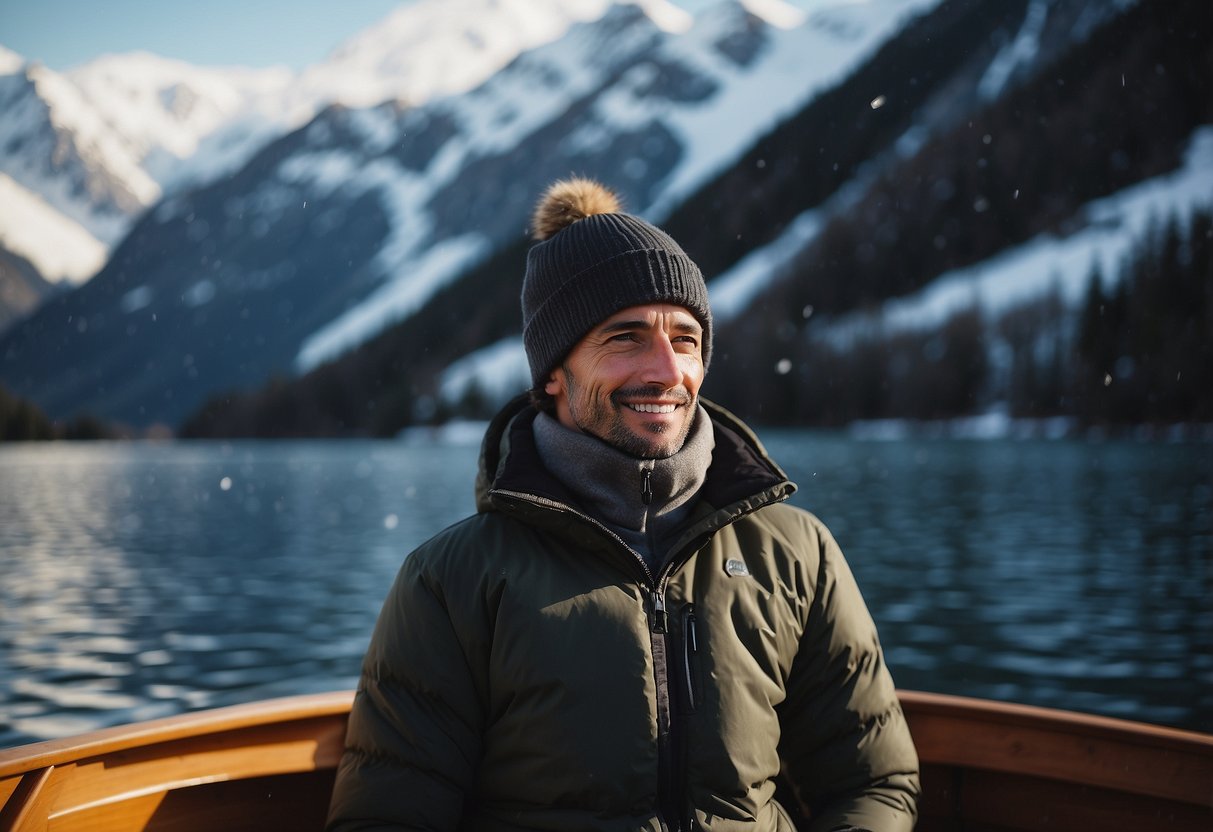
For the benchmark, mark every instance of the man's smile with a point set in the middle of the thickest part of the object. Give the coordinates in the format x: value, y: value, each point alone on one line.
x: 652, y: 408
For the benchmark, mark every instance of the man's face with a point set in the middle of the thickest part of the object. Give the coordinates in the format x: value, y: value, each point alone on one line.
x: 633, y: 381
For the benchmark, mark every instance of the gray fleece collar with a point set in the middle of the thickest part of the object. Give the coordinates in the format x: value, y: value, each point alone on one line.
x: 611, y: 484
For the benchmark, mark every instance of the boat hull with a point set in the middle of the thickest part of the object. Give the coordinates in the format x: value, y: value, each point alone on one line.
x: 987, y: 767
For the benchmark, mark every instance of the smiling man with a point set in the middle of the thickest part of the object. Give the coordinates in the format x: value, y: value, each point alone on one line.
x: 634, y: 631
x: 633, y: 380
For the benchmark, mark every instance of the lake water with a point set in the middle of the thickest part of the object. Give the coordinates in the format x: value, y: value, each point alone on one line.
x: 142, y: 580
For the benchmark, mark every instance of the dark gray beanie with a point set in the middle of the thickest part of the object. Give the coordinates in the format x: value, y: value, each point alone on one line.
x: 591, y: 261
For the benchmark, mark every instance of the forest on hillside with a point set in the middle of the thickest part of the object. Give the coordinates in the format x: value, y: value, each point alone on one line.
x: 23, y: 421
x: 1138, y: 351
x: 1023, y: 166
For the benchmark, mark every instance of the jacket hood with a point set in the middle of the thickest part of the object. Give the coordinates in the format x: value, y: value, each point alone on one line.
x: 741, y: 471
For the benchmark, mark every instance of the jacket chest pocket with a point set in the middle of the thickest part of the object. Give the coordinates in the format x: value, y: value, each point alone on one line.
x: 743, y: 641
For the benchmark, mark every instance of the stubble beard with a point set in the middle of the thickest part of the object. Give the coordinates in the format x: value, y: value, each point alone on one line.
x: 605, y: 420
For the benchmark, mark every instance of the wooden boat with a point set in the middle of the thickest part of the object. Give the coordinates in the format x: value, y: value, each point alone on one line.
x: 987, y: 767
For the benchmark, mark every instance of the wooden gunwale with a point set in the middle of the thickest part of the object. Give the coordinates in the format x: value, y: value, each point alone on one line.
x: 148, y: 775
x: 986, y: 766
x: 182, y: 726
x: 1083, y: 749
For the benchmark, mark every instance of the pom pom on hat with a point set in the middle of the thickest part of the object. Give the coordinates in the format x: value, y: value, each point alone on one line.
x: 568, y: 200
x: 592, y: 260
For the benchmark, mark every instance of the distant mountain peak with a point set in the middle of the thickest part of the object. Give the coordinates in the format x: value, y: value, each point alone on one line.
x: 69, y: 149
x: 435, y: 48
x: 10, y: 61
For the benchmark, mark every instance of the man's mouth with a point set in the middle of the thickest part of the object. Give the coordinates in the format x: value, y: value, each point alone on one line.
x: 653, y: 408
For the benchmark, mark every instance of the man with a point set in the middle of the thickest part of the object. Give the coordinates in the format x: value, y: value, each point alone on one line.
x: 634, y: 631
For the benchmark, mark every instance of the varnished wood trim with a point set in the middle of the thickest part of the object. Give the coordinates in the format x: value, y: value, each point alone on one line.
x: 1047, y: 767
x: 1080, y: 749
x: 27, y: 806
x: 199, y: 724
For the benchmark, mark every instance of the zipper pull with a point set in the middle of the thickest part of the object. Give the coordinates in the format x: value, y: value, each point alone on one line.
x: 661, y: 619
x: 690, y: 649
x: 646, y: 486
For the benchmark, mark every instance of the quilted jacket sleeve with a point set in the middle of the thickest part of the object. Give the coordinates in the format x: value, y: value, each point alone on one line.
x: 846, y: 748
x: 414, y: 731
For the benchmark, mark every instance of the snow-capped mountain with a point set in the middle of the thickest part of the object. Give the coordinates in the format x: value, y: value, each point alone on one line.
x: 69, y: 185
x: 427, y: 50
x: 338, y: 229
x: 183, y: 123
x: 752, y: 127
x: 83, y: 153
x: 647, y: 97
x: 59, y: 147
x: 191, y: 124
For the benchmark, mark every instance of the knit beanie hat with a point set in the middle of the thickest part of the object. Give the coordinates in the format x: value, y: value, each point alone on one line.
x: 591, y: 261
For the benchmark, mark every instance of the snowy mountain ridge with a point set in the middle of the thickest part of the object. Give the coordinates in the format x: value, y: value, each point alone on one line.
x: 1049, y: 262
x: 334, y: 231
x: 168, y: 110
x: 66, y: 152
x: 338, y: 234
x: 105, y: 140
x: 741, y: 74
x: 1020, y: 275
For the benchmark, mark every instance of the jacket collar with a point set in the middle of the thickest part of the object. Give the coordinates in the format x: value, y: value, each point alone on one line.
x: 628, y: 493
x: 741, y: 478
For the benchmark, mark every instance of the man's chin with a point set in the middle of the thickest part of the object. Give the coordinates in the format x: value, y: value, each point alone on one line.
x: 655, y: 442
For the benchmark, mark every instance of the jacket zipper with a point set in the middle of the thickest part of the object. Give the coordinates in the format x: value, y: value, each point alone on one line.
x: 667, y: 783
x: 661, y: 618
x: 672, y: 800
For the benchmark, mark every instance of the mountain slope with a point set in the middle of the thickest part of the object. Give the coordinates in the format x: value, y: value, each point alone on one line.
x: 1119, y: 107
x: 355, y: 220
x: 102, y: 142
x: 395, y: 378
x: 21, y: 288
x: 652, y: 106
x: 184, y: 123
x: 69, y: 185
x: 77, y: 158
x: 57, y: 145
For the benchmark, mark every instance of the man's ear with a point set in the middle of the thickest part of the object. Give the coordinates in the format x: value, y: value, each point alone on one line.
x: 555, y: 382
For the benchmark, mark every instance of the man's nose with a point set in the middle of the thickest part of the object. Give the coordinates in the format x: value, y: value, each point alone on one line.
x: 661, y: 363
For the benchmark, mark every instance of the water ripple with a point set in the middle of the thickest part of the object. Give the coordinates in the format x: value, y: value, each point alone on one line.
x: 144, y: 580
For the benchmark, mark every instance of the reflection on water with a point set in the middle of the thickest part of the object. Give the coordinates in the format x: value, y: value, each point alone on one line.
x: 144, y: 580
x: 1070, y: 575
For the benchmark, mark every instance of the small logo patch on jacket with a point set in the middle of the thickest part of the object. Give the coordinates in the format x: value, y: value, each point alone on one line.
x: 736, y: 567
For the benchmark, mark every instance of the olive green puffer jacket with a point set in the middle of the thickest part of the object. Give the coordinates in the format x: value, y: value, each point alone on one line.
x: 529, y: 672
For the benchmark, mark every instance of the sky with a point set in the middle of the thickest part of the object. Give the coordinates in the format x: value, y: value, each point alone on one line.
x: 252, y: 33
